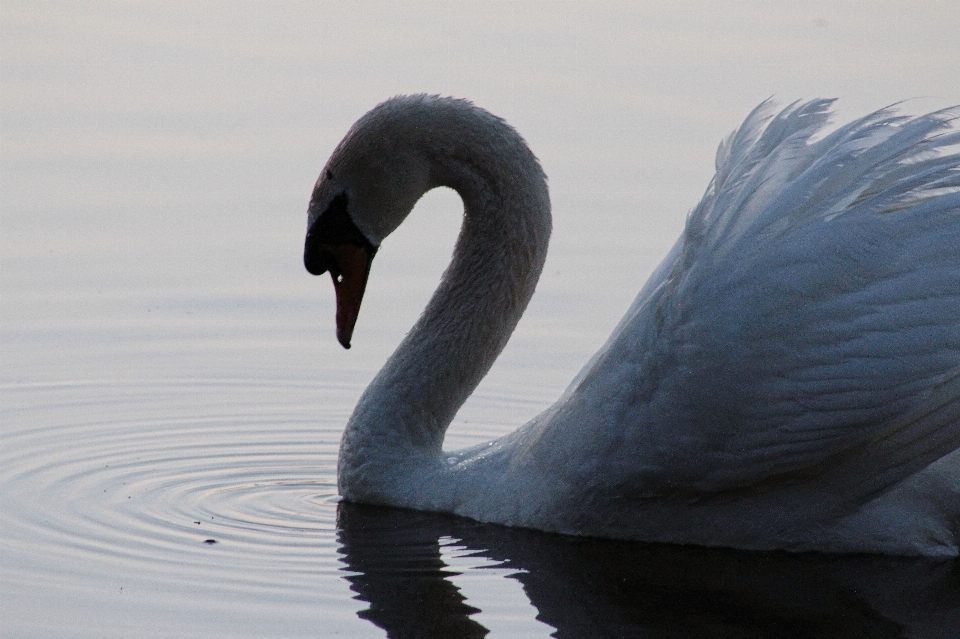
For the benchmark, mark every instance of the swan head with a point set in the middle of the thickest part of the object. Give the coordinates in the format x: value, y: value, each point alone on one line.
x: 394, y: 154
x: 370, y: 184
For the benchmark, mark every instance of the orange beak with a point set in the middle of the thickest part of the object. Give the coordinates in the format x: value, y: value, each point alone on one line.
x: 349, y: 268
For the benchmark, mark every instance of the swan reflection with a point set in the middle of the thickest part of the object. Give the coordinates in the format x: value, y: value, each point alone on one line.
x: 597, y: 588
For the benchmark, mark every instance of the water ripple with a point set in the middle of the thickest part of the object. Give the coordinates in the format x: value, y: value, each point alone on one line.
x: 185, y: 480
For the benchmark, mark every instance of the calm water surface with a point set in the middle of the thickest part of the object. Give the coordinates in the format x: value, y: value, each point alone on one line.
x: 172, y: 392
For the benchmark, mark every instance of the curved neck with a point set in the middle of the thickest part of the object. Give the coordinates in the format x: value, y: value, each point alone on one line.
x: 496, y: 263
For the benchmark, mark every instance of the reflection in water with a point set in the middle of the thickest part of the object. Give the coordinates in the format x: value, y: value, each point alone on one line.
x: 597, y: 588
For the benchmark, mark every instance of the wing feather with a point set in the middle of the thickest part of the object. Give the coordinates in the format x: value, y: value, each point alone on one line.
x: 807, y: 329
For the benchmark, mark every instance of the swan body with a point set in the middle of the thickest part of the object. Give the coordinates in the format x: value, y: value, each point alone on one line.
x: 788, y: 378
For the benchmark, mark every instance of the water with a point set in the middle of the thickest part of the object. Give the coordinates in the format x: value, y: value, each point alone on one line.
x: 172, y: 392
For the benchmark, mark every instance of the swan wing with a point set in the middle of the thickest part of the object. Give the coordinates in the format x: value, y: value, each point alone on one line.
x: 806, y: 327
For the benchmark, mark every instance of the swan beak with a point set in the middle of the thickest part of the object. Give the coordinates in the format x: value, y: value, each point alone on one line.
x: 335, y: 244
x: 349, y: 267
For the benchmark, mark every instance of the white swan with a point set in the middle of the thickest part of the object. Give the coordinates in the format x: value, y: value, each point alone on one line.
x: 789, y: 378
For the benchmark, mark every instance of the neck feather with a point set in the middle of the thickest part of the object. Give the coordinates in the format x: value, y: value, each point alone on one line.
x: 403, y: 415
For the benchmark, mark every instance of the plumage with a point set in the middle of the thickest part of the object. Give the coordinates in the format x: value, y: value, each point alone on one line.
x: 788, y: 378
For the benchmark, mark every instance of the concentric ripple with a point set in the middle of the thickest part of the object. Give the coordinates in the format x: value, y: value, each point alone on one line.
x: 185, y: 482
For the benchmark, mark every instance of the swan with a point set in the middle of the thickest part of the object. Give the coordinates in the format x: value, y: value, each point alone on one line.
x: 788, y: 378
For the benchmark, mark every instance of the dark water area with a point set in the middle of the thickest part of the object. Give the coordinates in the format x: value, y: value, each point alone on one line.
x: 586, y: 588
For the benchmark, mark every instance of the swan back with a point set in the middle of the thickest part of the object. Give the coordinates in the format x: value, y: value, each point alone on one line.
x: 798, y: 353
